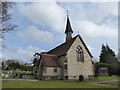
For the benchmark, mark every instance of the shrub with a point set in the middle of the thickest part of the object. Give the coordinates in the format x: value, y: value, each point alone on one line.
x: 113, y: 70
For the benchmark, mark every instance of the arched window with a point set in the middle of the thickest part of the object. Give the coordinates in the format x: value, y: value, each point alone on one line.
x: 80, y: 55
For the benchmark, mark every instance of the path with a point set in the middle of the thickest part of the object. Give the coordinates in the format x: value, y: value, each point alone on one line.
x: 100, y: 83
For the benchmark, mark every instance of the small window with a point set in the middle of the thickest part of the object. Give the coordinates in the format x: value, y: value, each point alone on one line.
x: 55, y: 70
x: 65, y: 66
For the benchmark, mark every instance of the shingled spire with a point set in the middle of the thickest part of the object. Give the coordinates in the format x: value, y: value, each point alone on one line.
x: 68, y: 30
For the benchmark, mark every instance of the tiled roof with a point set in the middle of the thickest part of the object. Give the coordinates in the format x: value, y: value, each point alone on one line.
x: 63, y: 48
x: 50, y: 60
x: 85, y: 45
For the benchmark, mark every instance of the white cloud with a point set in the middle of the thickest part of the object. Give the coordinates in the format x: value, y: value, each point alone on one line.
x: 1, y: 47
x: 90, y: 48
x: 49, y: 14
x: 98, y: 11
x: 28, y: 52
x: 111, y: 7
x: 20, y: 53
x: 105, y: 1
x: 1, y: 56
x: 91, y: 30
x: 32, y: 33
x: 63, y: 0
x: 1, y: 44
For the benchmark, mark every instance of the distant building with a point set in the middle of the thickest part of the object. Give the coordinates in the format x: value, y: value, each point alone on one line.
x: 66, y: 61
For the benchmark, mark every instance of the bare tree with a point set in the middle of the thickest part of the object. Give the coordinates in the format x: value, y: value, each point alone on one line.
x: 5, y: 16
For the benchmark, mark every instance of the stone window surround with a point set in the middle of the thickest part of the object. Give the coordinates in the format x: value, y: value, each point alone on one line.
x: 80, y: 54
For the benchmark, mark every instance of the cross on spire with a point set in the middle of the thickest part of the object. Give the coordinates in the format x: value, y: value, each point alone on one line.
x: 68, y: 30
x: 67, y: 15
x: 68, y: 25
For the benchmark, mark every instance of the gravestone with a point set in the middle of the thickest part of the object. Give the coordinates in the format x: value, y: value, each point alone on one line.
x: 6, y: 75
x: 103, y: 72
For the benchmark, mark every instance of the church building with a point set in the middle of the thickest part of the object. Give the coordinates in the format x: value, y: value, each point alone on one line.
x: 66, y: 61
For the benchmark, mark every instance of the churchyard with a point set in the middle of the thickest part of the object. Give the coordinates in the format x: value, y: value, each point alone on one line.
x: 14, y: 74
x: 24, y: 79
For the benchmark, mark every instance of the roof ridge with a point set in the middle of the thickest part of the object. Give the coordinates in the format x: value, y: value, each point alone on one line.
x: 85, y: 45
x: 48, y: 54
x: 64, y: 46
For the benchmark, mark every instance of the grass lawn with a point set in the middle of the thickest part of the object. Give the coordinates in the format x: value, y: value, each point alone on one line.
x: 102, y: 79
x: 29, y: 76
x: 59, y: 83
x: 111, y: 83
x: 50, y: 84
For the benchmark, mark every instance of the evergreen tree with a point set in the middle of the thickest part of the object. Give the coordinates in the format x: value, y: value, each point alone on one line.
x: 102, y: 56
x: 107, y: 55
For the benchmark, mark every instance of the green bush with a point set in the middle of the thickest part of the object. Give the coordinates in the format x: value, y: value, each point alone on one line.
x: 113, y: 70
x: 26, y: 68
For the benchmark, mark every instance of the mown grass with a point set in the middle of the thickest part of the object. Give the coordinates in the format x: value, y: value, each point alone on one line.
x: 102, y: 79
x: 50, y: 84
x: 29, y: 76
x: 58, y: 83
x: 111, y: 83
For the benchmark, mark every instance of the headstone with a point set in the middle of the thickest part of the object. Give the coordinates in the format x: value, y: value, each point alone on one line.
x: 3, y: 75
x: 13, y: 75
x: 6, y: 75
x: 10, y: 72
x: 20, y: 75
x: 103, y: 72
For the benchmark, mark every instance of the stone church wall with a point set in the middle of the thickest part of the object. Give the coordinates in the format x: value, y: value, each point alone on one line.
x: 76, y: 68
x: 61, y: 60
x: 49, y: 71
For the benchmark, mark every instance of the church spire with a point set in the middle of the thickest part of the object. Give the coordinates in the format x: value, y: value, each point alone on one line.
x: 68, y: 30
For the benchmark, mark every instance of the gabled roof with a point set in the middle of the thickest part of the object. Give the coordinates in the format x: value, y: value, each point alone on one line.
x: 85, y: 45
x: 63, y: 48
x: 50, y: 60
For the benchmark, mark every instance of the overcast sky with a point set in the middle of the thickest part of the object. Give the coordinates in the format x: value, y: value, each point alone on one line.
x: 41, y: 27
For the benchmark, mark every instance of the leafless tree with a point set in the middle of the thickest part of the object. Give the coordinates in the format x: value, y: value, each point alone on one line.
x: 5, y: 16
